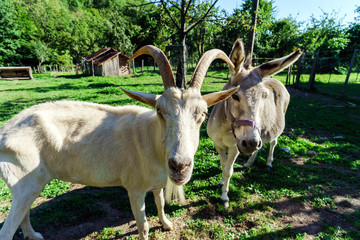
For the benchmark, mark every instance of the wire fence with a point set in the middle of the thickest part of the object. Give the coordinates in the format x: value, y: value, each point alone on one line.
x: 56, y: 69
x: 335, y: 70
x: 335, y: 73
x: 331, y: 72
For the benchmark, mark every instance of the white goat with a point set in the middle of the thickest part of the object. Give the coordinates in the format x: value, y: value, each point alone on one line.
x: 253, y: 115
x: 99, y: 145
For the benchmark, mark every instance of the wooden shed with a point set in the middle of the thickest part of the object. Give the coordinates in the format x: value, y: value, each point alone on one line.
x: 106, y: 62
x: 16, y: 73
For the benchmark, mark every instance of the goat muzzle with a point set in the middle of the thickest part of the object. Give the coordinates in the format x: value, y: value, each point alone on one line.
x: 249, y: 146
x: 180, y: 170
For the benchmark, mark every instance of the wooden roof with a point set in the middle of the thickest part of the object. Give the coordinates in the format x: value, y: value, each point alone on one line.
x: 103, y: 55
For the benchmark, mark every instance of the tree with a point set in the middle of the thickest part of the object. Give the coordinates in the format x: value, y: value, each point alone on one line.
x: 354, y: 32
x: 204, y: 34
x: 10, y: 41
x: 143, y: 19
x: 326, y: 33
x: 280, y: 39
x: 52, y: 22
x: 41, y: 51
x: 184, y: 23
x: 119, y: 35
x: 239, y: 24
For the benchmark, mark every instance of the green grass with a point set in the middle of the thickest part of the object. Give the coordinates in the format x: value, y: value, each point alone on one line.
x: 331, y: 84
x: 315, y: 122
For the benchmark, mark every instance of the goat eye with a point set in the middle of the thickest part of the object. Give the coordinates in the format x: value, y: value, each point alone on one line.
x: 158, y: 112
x: 265, y: 95
x: 202, y: 117
x: 235, y: 97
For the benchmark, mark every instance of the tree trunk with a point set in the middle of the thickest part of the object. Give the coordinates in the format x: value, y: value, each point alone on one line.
x: 181, y: 70
x: 40, y: 67
x: 251, y: 39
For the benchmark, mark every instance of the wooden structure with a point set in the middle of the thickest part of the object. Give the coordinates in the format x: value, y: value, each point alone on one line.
x: 352, y: 63
x: 16, y: 73
x: 106, y: 62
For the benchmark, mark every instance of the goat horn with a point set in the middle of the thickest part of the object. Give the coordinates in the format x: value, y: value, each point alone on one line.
x: 162, y: 62
x: 204, y: 64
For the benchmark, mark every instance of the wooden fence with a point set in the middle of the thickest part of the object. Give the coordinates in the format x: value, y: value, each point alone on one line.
x: 328, y: 62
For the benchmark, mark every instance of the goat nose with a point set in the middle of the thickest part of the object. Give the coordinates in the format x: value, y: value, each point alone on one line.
x: 179, y: 166
x: 251, y: 145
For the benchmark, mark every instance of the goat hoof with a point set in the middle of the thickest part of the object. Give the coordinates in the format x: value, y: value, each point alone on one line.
x: 246, y: 166
x: 268, y: 168
x: 226, y: 204
x: 168, y: 226
x: 36, y: 236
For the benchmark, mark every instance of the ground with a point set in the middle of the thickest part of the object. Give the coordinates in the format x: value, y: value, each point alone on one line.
x: 327, y: 202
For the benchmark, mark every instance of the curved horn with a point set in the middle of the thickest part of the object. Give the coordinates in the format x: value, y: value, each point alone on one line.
x: 162, y: 62
x: 204, y: 64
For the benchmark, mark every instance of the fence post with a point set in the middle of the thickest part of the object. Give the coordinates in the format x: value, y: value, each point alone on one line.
x: 352, y: 63
x: 92, y: 67
x: 313, y: 72
x: 300, y: 65
x: 288, y: 76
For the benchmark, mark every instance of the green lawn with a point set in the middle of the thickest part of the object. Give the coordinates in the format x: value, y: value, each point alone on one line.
x: 331, y: 84
x: 302, y: 197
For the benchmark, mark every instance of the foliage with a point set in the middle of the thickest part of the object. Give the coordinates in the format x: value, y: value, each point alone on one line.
x: 238, y: 25
x: 10, y: 39
x: 41, y: 51
x: 35, y: 32
x: 326, y: 33
x: 281, y: 38
x: 354, y: 32
x: 204, y: 34
x: 55, y: 188
x: 184, y: 17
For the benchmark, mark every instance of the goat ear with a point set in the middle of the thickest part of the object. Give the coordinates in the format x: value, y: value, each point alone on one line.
x: 146, y: 98
x: 216, y: 97
x: 237, y: 55
x: 277, y: 65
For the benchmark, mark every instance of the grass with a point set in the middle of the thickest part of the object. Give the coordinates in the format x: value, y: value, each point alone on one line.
x: 332, y: 84
x: 321, y: 191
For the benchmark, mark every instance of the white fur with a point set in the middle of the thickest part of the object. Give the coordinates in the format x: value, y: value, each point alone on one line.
x: 100, y: 145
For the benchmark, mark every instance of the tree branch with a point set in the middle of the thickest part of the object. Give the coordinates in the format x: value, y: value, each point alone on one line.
x: 140, y: 5
x: 209, y: 18
x: 174, y: 5
x: 169, y: 13
x: 201, y: 19
x: 187, y: 7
